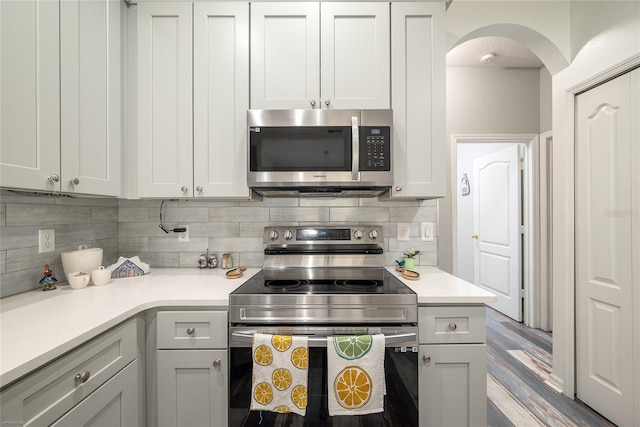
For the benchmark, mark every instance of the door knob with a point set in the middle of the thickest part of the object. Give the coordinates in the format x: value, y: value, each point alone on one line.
x: 53, y: 178
x: 184, y: 188
x: 190, y: 331
x: 474, y: 236
x: 74, y: 181
x: 313, y: 103
x: 327, y: 103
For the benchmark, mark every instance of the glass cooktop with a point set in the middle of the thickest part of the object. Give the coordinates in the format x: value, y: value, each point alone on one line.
x: 257, y: 285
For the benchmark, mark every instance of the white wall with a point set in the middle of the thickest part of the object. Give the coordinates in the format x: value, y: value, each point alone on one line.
x: 485, y: 101
x: 545, y: 100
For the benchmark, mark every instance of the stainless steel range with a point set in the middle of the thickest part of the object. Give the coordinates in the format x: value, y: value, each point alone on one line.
x: 322, y: 281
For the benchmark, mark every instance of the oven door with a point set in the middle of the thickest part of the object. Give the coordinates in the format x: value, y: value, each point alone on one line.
x: 401, y: 374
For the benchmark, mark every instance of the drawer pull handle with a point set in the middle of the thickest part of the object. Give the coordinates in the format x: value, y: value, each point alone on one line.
x: 453, y: 326
x: 217, y: 363
x: 190, y: 331
x: 83, y: 377
x: 426, y: 359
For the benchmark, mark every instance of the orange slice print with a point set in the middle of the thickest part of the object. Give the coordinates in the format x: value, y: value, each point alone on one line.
x: 281, y: 342
x: 263, y: 356
x: 352, y: 387
x: 281, y: 378
x: 263, y: 393
x: 299, y: 396
x: 300, y: 357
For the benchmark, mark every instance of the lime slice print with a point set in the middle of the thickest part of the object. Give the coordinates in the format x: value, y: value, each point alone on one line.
x: 352, y: 347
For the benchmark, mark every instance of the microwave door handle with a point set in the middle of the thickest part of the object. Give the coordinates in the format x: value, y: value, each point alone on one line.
x: 355, y: 148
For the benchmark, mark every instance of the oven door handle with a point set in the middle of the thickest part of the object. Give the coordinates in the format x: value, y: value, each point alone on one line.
x: 388, y: 339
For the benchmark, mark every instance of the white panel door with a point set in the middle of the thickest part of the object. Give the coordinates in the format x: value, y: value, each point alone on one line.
x: 418, y: 99
x: 165, y: 127
x: 221, y: 99
x: 604, y: 248
x: 497, y: 213
x: 90, y: 96
x: 355, y: 56
x: 192, y: 388
x: 29, y: 94
x: 285, y: 55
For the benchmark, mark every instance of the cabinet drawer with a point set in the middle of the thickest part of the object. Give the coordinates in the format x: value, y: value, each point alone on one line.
x: 47, y: 394
x: 452, y: 324
x: 192, y: 329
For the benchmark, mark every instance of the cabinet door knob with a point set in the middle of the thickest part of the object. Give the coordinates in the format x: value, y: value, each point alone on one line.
x: 74, y: 181
x: 184, y: 188
x: 199, y: 189
x: 217, y: 363
x: 313, y: 103
x: 190, y: 331
x: 53, y: 178
x: 83, y: 377
x: 453, y: 326
x: 426, y: 359
x: 474, y: 236
x: 327, y: 102
x: 398, y: 188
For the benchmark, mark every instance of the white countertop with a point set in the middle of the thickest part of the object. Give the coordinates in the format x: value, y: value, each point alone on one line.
x: 36, y: 326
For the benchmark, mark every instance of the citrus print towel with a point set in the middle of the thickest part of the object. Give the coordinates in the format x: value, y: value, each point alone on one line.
x: 280, y: 373
x: 355, y: 366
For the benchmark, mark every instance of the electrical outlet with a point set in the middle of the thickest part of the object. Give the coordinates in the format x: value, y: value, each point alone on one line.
x: 184, y: 236
x: 46, y: 241
x: 403, y: 231
x: 426, y: 231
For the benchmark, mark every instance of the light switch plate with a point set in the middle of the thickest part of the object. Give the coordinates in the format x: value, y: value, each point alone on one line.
x: 427, y: 231
x: 184, y: 236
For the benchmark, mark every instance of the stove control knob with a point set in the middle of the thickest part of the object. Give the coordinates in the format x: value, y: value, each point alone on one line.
x: 373, y: 234
x: 358, y: 234
x: 273, y: 235
x: 288, y: 235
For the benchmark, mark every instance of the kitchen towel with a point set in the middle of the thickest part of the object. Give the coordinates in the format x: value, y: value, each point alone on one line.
x: 128, y: 267
x: 355, y: 369
x: 280, y: 365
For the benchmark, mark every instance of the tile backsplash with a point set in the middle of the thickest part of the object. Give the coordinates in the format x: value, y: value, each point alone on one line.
x: 131, y: 227
x: 76, y: 221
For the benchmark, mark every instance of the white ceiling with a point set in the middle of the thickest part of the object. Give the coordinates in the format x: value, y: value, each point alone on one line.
x: 509, y: 54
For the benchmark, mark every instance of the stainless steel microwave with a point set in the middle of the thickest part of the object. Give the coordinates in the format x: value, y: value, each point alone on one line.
x: 320, y: 152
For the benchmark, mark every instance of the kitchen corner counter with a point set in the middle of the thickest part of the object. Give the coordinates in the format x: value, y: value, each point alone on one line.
x: 36, y: 327
x: 438, y: 287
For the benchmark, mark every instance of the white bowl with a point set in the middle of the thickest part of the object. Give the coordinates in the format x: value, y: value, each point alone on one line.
x: 84, y: 259
x: 78, y: 279
x: 101, y: 276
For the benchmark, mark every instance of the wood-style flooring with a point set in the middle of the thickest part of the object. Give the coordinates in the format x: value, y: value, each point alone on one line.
x: 518, y: 390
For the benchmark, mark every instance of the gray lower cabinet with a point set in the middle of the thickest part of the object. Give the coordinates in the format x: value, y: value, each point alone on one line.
x: 191, y: 378
x: 452, y: 371
x: 89, y: 384
x: 192, y: 388
x: 114, y: 404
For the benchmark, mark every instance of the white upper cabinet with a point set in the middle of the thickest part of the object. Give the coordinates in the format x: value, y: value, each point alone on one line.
x: 418, y: 99
x: 165, y: 120
x: 285, y: 55
x: 90, y: 96
x: 294, y: 44
x: 60, y: 96
x: 355, y: 55
x: 220, y: 99
x: 29, y: 95
x: 193, y: 94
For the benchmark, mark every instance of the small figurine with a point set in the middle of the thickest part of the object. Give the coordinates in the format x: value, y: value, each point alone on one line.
x: 213, y: 261
x: 48, y: 280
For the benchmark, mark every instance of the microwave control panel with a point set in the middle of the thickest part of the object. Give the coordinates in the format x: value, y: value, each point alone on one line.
x: 375, y: 148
